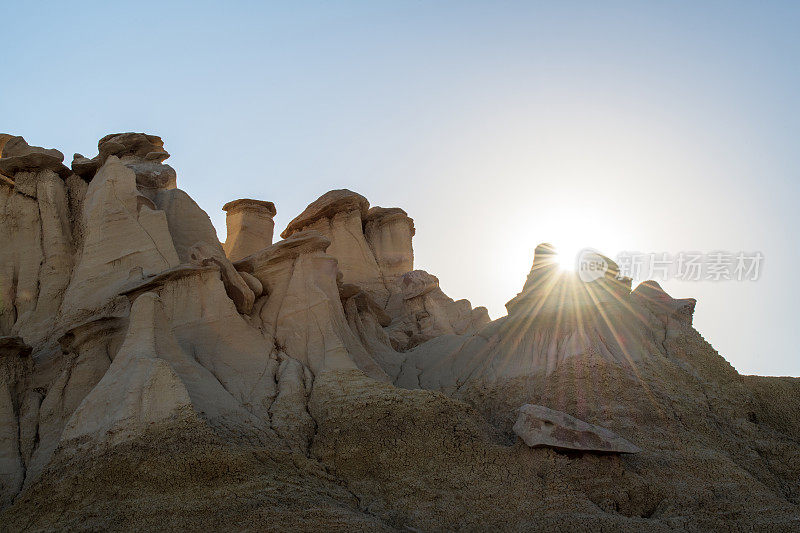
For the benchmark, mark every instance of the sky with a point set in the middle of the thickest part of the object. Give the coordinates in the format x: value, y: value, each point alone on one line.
x: 623, y: 126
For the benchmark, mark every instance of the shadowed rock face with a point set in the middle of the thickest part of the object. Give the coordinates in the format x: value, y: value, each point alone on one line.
x: 153, y: 378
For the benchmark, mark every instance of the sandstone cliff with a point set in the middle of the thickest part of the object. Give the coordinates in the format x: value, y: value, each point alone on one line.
x: 153, y: 377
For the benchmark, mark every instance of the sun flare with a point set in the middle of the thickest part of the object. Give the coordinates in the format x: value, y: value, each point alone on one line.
x: 566, y: 260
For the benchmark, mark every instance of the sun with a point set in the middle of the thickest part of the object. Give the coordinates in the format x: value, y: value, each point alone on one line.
x: 567, y: 259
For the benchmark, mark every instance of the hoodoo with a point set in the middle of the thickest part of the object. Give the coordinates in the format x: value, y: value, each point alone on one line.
x: 152, y: 377
x: 250, y: 227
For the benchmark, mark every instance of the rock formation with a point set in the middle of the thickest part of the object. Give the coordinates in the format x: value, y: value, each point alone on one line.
x: 250, y: 227
x: 152, y: 377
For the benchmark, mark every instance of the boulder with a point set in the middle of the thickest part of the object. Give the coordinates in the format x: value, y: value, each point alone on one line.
x: 540, y: 427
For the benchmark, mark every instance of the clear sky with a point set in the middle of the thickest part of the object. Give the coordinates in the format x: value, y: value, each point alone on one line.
x: 656, y: 127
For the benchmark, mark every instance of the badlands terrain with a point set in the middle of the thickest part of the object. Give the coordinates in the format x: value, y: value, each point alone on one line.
x: 154, y: 378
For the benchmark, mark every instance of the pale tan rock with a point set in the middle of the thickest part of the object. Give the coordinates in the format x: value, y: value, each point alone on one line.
x: 57, y: 257
x: 303, y: 313
x: 139, y: 388
x: 36, y: 254
x: 206, y: 324
x: 20, y: 257
x: 250, y: 227
x: 195, y: 241
x: 555, y: 319
x: 63, y: 379
x: 253, y: 283
x: 651, y: 295
x: 539, y: 426
x: 422, y: 311
x: 339, y: 215
x: 389, y: 233
x: 549, y: 289
x: 126, y: 240
x: 310, y: 323
x: 188, y: 223
x: 235, y: 286
x: 273, y: 268
x: 367, y: 321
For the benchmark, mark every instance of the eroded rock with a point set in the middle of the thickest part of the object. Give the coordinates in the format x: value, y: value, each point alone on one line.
x: 540, y: 426
x: 142, y: 153
x: 250, y: 227
x: 126, y: 240
x: 19, y: 156
x: 389, y: 232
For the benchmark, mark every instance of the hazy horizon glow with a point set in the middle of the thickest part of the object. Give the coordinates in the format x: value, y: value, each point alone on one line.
x: 496, y: 126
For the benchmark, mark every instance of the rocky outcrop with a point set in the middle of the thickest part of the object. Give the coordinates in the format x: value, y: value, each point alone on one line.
x: 140, y: 387
x: 554, y: 318
x: 422, y: 311
x: 539, y: 426
x: 649, y: 294
x: 126, y: 239
x: 36, y: 245
x: 250, y: 227
x: 389, y: 233
x: 339, y: 216
x: 142, y: 153
x: 152, y: 378
x: 19, y: 156
x: 374, y: 252
x: 302, y: 313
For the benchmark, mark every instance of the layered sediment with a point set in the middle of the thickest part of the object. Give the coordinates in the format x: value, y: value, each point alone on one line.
x: 154, y: 377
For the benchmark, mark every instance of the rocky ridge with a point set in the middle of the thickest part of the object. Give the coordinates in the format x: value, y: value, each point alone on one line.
x: 151, y: 376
